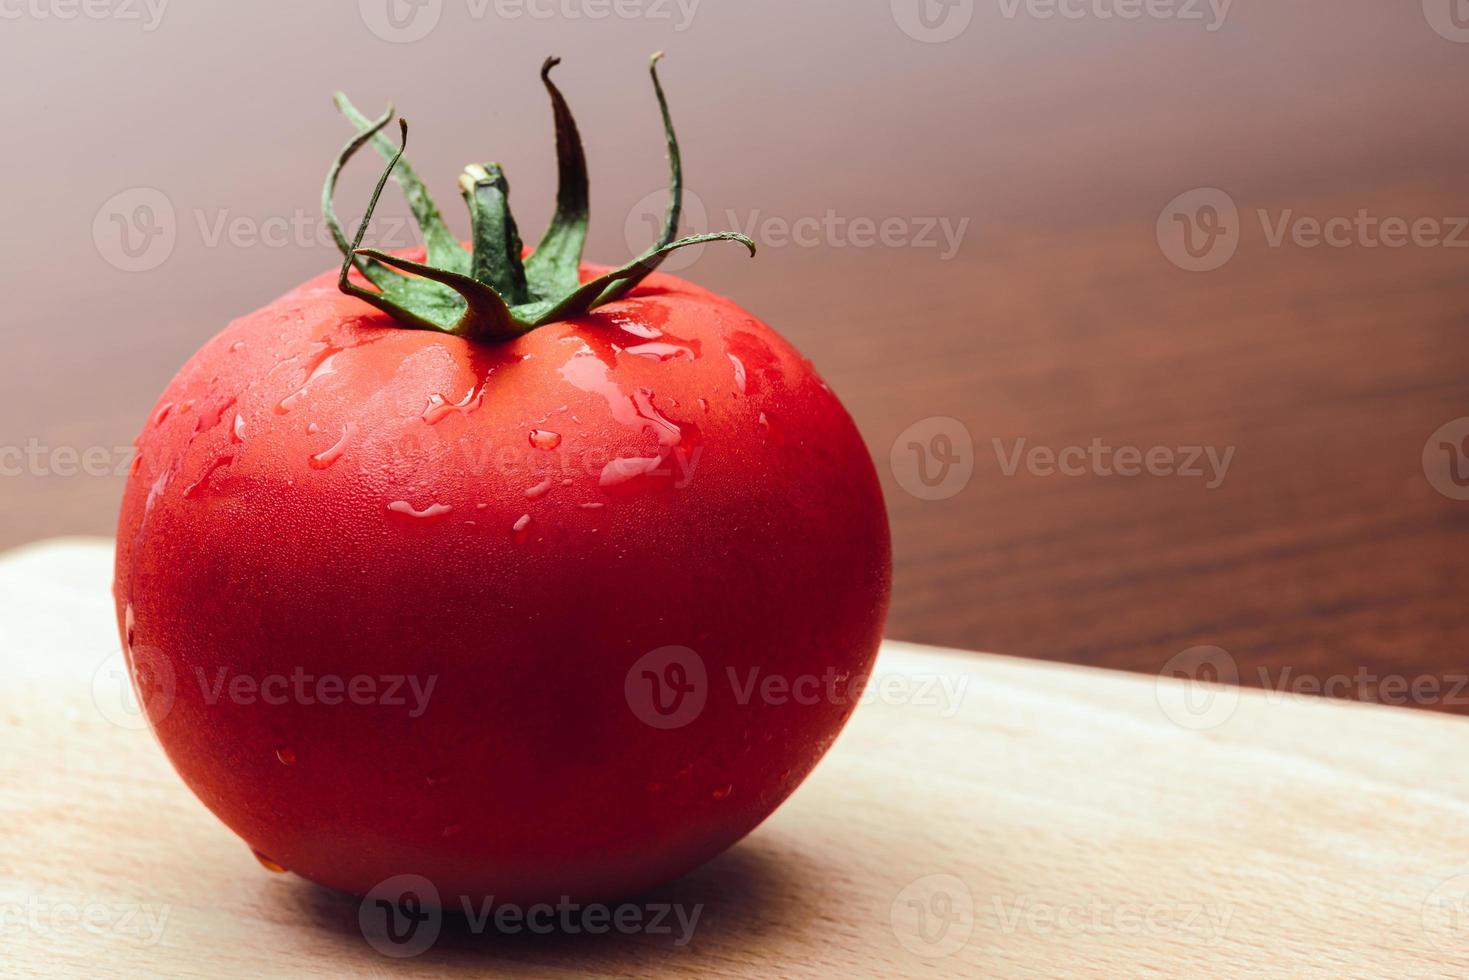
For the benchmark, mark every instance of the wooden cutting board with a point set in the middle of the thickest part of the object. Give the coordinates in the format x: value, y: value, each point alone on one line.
x: 982, y: 816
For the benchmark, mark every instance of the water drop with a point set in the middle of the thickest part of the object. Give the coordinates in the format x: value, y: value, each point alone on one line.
x: 287, y: 756
x: 740, y: 375
x: 453, y: 830
x: 237, y: 431
x: 540, y: 489
x: 163, y: 412
x: 197, y: 489
x: 268, y: 863
x: 237, y: 346
x: 327, y: 457
x: 521, y: 529
x: 620, y: 471
x: 544, y: 439
x: 593, y: 506
x: 440, y: 408
x: 428, y: 513
x: 723, y: 792
x: 326, y: 367
x: 659, y: 351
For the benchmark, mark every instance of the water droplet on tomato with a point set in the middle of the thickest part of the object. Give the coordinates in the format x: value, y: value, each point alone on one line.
x: 592, y: 506
x: 637, y: 410
x: 162, y: 413
x: 268, y: 864
x: 196, y: 490
x: 722, y: 793
x: 741, y: 377
x: 544, y: 439
x: 286, y: 755
x: 237, y: 430
x: 440, y: 408
x: 430, y: 512
x: 621, y: 471
x: 661, y: 351
x: 327, y: 457
x: 540, y: 489
x: 435, y: 779
x: 209, y: 419
x: 521, y: 529
x: 129, y: 626
x: 237, y: 346
x: 325, y: 367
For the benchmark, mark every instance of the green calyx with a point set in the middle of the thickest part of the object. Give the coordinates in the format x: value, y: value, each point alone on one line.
x: 491, y: 293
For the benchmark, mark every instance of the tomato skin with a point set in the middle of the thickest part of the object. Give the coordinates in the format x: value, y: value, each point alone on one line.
x: 322, y: 494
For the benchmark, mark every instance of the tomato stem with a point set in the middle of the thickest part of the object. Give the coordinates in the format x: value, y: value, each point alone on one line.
x: 488, y: 293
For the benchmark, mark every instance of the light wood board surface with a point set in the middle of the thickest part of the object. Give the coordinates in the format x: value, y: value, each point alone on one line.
x: 981, y: 816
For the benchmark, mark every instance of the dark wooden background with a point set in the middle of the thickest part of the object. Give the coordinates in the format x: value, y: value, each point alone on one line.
x: 1326, y: 550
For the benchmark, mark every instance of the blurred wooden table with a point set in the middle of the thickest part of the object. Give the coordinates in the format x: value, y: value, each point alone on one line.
x: 981, y: 816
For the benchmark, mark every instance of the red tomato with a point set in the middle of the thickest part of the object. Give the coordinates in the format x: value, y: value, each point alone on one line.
x: 563, y: 614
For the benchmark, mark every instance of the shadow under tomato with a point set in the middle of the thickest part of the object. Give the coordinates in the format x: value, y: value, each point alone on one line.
x: 751, y: 890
